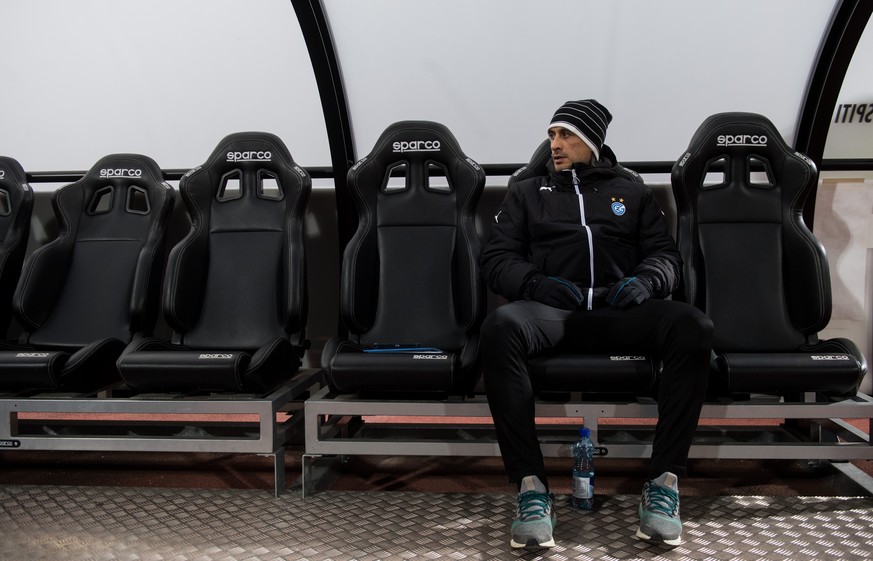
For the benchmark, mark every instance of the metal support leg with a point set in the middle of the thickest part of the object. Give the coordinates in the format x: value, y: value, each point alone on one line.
x: 319, y: 472
x: 278, y: 472
x: 306, y: 474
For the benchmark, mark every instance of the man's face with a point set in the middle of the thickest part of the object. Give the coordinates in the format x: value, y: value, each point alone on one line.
x: 568, y: 149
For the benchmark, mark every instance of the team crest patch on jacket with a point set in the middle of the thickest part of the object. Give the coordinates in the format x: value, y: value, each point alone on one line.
x: 618, y: 207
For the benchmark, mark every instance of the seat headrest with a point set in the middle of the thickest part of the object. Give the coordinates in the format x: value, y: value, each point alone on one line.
x: 538, y: 164
x: 251, y: 151
x: 122, y: 170
x: 129, y: 179
x: 536, y: 167
x: 417, y: 144
x: 734, y: 136
x: 11, y: 172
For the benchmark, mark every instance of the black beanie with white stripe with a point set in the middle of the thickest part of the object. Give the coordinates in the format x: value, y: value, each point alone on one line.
x: 585, y: 118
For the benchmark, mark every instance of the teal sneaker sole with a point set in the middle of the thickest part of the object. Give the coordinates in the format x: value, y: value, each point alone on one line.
x: 532, y: 544
x: 658, y: 539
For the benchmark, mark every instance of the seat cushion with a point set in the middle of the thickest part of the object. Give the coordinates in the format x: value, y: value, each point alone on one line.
x: 403, y: 371
x: 831, y: 373
x: 31, y: 369
x: 593, y: 373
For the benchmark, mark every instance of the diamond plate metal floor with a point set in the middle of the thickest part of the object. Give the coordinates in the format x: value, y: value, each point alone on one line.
x: 60, y: 523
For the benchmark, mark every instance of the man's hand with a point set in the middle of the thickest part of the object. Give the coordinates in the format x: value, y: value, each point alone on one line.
x: 557, y: 292
x: 629, y: 291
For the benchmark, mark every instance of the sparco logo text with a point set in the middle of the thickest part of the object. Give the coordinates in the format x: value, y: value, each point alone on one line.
x: 250, y: 156
x: 215, y: 356
x: 417, y: 146
x: 121, y: 172
x: 741, y: 140
x: 430, y: 357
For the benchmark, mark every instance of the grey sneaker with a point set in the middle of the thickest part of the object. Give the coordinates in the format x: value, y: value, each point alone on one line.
x: 659, y: 511
x: 534, y: 516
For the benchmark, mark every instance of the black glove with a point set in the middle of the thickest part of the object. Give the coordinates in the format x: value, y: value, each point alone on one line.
x: 629, y: 291
x: 556, y: 292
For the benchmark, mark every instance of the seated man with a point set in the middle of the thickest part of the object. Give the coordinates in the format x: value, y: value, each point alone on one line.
x: 585, y: 258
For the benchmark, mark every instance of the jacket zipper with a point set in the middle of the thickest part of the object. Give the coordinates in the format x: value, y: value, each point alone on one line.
x: 590, y: 296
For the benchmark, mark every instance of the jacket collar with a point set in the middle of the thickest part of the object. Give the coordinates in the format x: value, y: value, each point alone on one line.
x: 604, y: 167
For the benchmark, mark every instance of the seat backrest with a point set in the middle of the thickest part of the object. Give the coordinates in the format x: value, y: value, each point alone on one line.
x: 410, y: 272
x: 16, y: 207
x: 750, y: 262
x: 100, y: 278
x: 238, y: 279
x: 537, y: 166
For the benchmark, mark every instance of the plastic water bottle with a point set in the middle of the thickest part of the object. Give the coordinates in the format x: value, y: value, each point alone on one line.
x: 583, y: 472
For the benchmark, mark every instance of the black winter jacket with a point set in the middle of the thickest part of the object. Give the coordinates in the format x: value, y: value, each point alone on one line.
x: 545, y: 227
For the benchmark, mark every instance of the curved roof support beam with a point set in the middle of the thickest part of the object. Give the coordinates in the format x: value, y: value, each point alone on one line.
x: 835, y: 54
x: 322, y: 54
x: 319, y: 42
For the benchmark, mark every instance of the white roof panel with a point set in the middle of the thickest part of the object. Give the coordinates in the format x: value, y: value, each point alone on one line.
x: 165, y: 78
x: 494, y: 71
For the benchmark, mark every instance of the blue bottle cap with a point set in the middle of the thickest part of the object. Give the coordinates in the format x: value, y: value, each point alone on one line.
x: 585, y: 431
